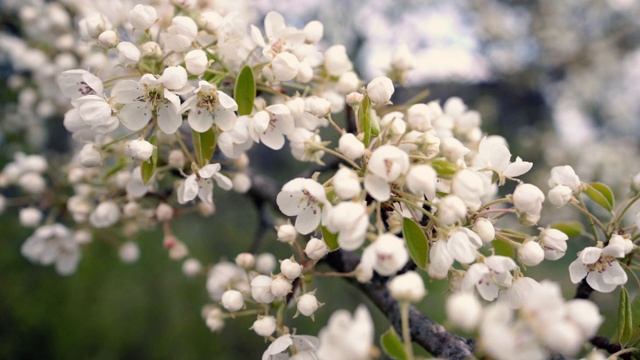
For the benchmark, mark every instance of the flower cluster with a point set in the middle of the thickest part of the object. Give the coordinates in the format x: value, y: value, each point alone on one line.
x: 181, y: 96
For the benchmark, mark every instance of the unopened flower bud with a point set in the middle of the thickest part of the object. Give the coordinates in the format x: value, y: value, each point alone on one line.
x: 348, y: 83
x: 140, y: 149
x: 531, y: 253
x: 143, y: 17
x: 261, y: 289
x: 283, y: 67
x: 336, y: 60
x: 313, y: 31
x: 350, y: 146
x: 319, y: 106
x: 287, y: 233
x: 265, y: 263
x: 129, y: 252
x: 178, y: 251
x: 354, y: 99
x: 564, y: 175
x: 265, y: 325
x: 90, y: 156
x: 191, y: 267
x: 407, y: 287
x: 32, y: 183
x: 128, y: 53
x: 245, y: 260
x: 528, y: 200
x: 151, y: 48
x: 232, y: 300
x: 215, y: 319
x: 281, y: 286
x: 130, y: 209
x: 316, y: 249
x: 380, y: 90
x: 623, y: 241
x: 451, y: 209
x: 464, y: 310
x: 108, y: 38
x: 560, y: 195
x: 308, y: 304
x: 174, y: 77
x: 241, y: 183
x: 290, y: 268
x: 176, y: 159
x: 485, y: 229
x: 164, y: 212
x: 196, y: 61
x: 30, y: 217
x: 105, y: 215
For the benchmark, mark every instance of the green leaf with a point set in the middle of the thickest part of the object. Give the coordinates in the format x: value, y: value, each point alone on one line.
x: 635, y: 317
x: 364, y: 114
x: 443, y: 167
x: 571, y: 228
x: 625, y: 318
x: 148, y: 168
x: 330, y: 239
x: 204, y: 144
x: 245, y: 91
x: 392, y: 345
x: 601, y: 194
x: 417, y: 242
x: 503, y: 248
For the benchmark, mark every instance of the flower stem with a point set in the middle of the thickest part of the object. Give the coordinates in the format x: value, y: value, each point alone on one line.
x: 406, y: 335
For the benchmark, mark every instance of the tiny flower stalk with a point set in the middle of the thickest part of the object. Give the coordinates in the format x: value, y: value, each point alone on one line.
x: 406, y: 333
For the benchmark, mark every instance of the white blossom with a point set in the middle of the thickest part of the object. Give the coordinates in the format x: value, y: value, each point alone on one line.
x: 261, y: 289
x: 302, y: 198
x: 140, y: 149
x: 232, y: 300
x: 350, y: 146
x: 107, y: 213
x: 528, y: 200
x: 264, y: 325
x: 200, y: 184
x: 560, y: 195
x: 600, y: 267
x: 380, y: 90
x: 290, y: 268
x: 350, y: 221
x: 463, y: 310
x: 347, y: 337
x: 346, y: 183
x: 386, y: 165
x: 53, y: 244
x: 316, y: 249
x: 407, y: 287
x: 387, y: 255
x: 530, y: 253
x: 307, y: 304
x: 209, y: 105
x: 564, y: 175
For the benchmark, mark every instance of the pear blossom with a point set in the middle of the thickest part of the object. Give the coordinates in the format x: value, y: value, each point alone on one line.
x: 142, y: 98
x: 622, y: 241
x: 290, y: 268
x: 421, y: 180
x: 261, y: 289
x: 89, y: 156
x: 488, y: 277
x: 281, y: 286
x: 265, y: 263
x: 286, y: 233
x: 386, y: 255
x: 271, y: 125
x: 336, y: 60
x: 600, y: 267
x: 493, y: 155
x: 316, y: 249
x: 232, y: 300
x: 302, y: 198
x: 520, y: 292
x: 264, y: 325
x: 464, y: 310
x: 420, y: 116
x: 142, y: 17
x: 564, y: 175
x: 128, y: 53
x: 386, y: 165
x: 380, y: 90
x: 304, y: 145
x: 180, y: 34
x: 347, y: 337
x: 78, y: 83
x: 451, y: 209
x: 560, y: 195
x: 531, y: 253
x: 196, y: 62
x: 469, y: 187
x: 304, y: 347
x: 105, y: 214
x: 209, y: 105
x: 485, y: 229
x: 140, y: 149
x: 281, y: 38
x: 308, y: 304
x: 350, y: 146
x: 346, y: 183
x: 51, y: 244
x: 554, y: 243
x: 528, y: 200
x: 200, y: 184
x: 407, y: 287
x: 350, y: 221
x: 224, y: 275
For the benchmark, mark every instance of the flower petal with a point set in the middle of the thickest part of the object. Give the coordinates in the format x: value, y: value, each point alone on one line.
x: 577, y: 271
x: 200, y: 119
x: 168, y: 118
x: 135, y: 115
x: 308, y: 219
x: 377, y: 187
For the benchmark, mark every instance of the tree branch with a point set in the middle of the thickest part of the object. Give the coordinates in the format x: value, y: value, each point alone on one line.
x: 427, y: 333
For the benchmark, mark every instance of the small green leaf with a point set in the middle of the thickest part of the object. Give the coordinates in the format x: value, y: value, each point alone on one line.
x: 364, y: 114
x: 635, y: 317
x: 503, y: 248
x: 601, y: 194
x: 245, y: 91
x: 417, y: 242
x: 330, y: 239
x: 148, y: 168
x: 443, y: 167
x: 625, y: 318
x: 204, y: 144
x: 571, y: 228
x: 392, y: 345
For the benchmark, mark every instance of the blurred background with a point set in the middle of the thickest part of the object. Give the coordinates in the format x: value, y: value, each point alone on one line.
x: 559, y: 79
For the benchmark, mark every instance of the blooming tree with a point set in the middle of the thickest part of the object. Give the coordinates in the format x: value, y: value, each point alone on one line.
x: 396, y: 194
